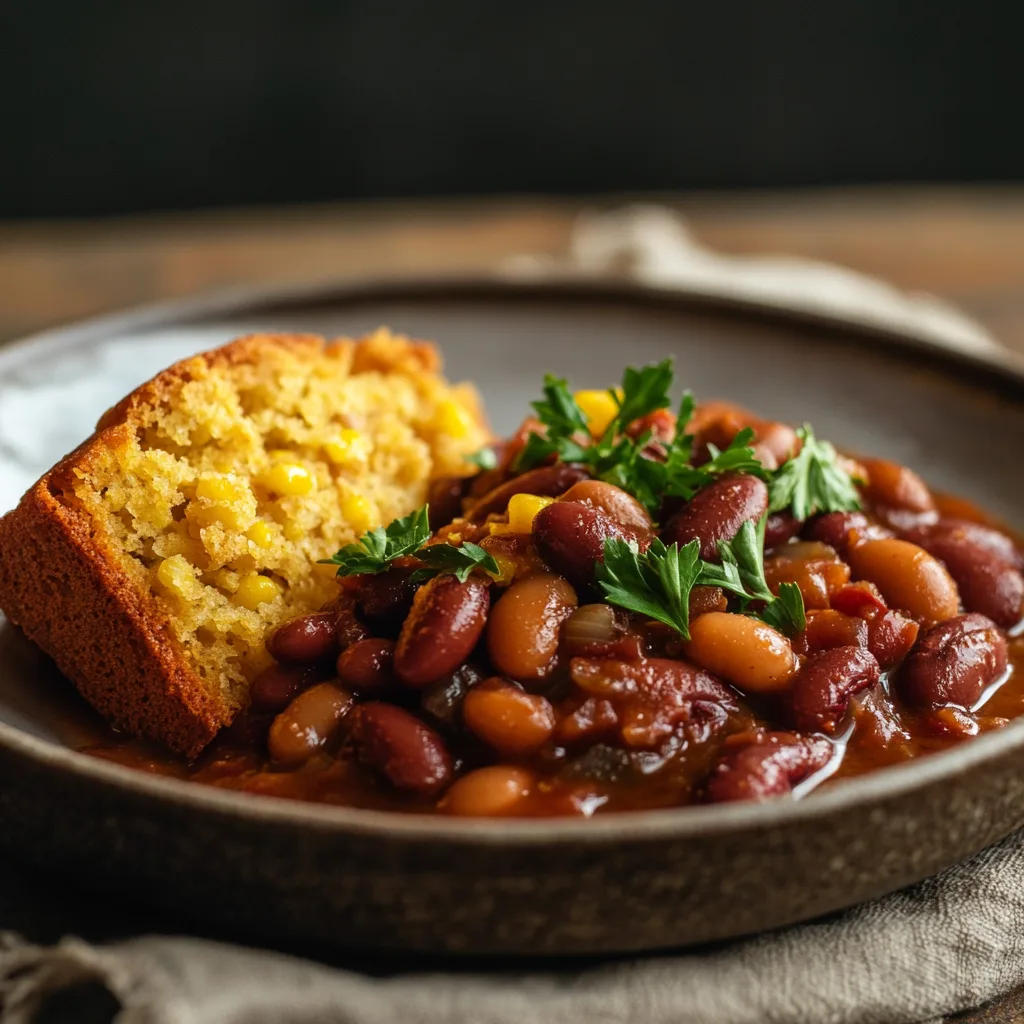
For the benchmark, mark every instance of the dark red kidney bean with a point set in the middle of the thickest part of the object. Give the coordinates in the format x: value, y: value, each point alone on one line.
x: 407, y: 752
x: 953, y: 663
x: 546, y: 481
x: 820, y: 695
x: 348, y: 628
x: 992, y: 540
x: 833, y: 528
x: 275, y: 687
x: 309, y: 638
x: 780, y: 527
x: 829, y: 628
x: 444, y: 625
x: 386, y: 597
x: 570, y: 538
x: 890, y: 638
x: 771, y: 766
x: 444, y: 498
x: 367, y: 666
x: 717, y: 512
x: 987, y: 582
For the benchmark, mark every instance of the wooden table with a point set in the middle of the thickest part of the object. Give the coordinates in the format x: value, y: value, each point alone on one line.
x: 964, y: 244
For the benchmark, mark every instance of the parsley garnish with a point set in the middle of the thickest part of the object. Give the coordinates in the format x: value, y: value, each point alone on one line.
x: 486, y: 458
x: 376, y: 550
x: 812, y: 481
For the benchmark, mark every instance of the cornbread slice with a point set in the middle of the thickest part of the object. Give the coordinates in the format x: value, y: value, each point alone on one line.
x: 152, y: 560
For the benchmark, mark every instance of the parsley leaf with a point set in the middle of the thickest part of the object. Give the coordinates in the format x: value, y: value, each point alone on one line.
x: 486, y: 458
x: 376, y: 550
x: 642, y: 392
x: 812, y: 481
x: 683, y: 480
x: 655, y: 583
x: 786, y: 613
x: 460, y: 561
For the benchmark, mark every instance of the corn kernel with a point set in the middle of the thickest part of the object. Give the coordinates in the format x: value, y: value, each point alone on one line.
x: 260, y: 534
x: 294, y: 531
x: 600, y: 409
x: 453, y: 419
x: 217, y: 488
x: 359, y: 510
x: 522, y: 508
x: 499, y: 529
x: 178, y: 576
x: 256, y: 590
x: 347, y: 447
x: 287, y: 479
x: 223, y: 514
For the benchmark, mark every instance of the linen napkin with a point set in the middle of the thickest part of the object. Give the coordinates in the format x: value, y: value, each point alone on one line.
x: 945, y: 945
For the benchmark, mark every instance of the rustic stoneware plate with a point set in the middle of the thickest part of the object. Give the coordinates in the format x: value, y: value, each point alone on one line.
x: 284, y: 872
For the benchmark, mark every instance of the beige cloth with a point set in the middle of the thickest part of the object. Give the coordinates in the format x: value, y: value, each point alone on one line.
x: 945, y: 945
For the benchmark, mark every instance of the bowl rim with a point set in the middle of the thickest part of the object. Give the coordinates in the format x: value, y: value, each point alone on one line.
x: 1001, y: 371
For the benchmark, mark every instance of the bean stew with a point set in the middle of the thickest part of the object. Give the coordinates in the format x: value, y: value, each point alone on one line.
x: 626, y: 607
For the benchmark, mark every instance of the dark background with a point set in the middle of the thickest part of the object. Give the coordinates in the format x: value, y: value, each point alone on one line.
x: 144, y: 105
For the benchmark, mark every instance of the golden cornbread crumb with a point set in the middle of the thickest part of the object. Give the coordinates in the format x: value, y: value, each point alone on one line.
x: 216, y: 487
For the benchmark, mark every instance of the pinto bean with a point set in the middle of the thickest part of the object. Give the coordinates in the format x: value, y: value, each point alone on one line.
x: 771, y: 766
x: 507, y: 718
x: 896, y: 486
x: 446, y: 621
x: 612, y: 500
x: 367, y: 666
x: 523, y: 629
x: 571, y: 536
x: 954, y: 663
x: 988, y: 582
x: 308, y: 723
x: 488, y: 792
x: 780, y: 527
x: 408, y: 753
x: 841, y: 530
x: 546, y: 481
x: 890, y: 638
x: 821, y: 692
x: 908, y: 577
x: 746, y: 652
x: 717, y: 513
x: 306, y: 639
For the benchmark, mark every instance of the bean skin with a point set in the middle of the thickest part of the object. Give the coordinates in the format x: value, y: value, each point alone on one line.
x: 891, y: 637
x: 833, y: 528
x: 367, y: 666
x: 523, y: 629
x: 571, y: 536
x: 275, y: 687
x: 611, y: 500
x: 780, y: 527
x: 896, y: 486
x: 408, y: 753
x: 308, y: 723
x: 507, y: 718
x: 821, y: 692
x: 988, y: 582
x: 488, y: 792
x: 954, y: 663
x: 444, y: 498
x: 769, y: 767
x: 717, y: 513
x: 746, y: 652
x: 386, y: 597
x: 444, y: 625
x: 908, y: 577
x: 306, y: 639
x: 545, y: 481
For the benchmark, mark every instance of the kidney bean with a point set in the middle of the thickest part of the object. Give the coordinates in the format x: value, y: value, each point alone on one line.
x: 348, y: 628
x: 987, y: 537
x: 661, y: 423
x: 275, y: 687
x: 987, y: 581
x: 896, y: 486
x: 890, y: 638
x: 444, y: 498
x: 813, y: 567
x: 908, y: 577
x: 821, y: 692
x: 546, y: 481
x: 386, y: 597
x: 308, y: 723
x: 717, y: 513
x: 488, y: 792
x: 612, y: 500
x: 571, y: 536
x: 309, y: 638
x: 841, y: 530
x: 748, y: 653
x: 771, y: 766
x: 778, y: 439
x: 507, y: 718
x: 780, y: 527
x: 954, y: 663
x: 446, y: 621
x: 707, y: 599
x: 408, y: 753
x: 367, y: 666
x: 828, y: 628
x: 523, y: 627
x: 442, y: 700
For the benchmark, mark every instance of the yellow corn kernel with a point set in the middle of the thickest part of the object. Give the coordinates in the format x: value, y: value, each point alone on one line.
x: 453, y: 419
x: 347, y: 447
x: 294, y: 531
x: 217, y: 488
x: 506, y: 567
x: 256, y: 590
x: 260, y: 534
x: 499, y: 529
x: 287, y: 479
x: 223, y: 514
x: 359, y: 510
x: 599, y: 407
x: 522, y: 508
x: 178, y: 576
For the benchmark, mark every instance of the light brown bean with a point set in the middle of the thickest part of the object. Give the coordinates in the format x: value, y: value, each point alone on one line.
x: 748, y: 653
x: 507, y: 718
x: 308, y: 723
x: 488, y: 792
x: 622, y: 507
x: 896, y: 486
x: 523, y: 627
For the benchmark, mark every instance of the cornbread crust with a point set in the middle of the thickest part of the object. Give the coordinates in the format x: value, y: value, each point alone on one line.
x: 96, y: 611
